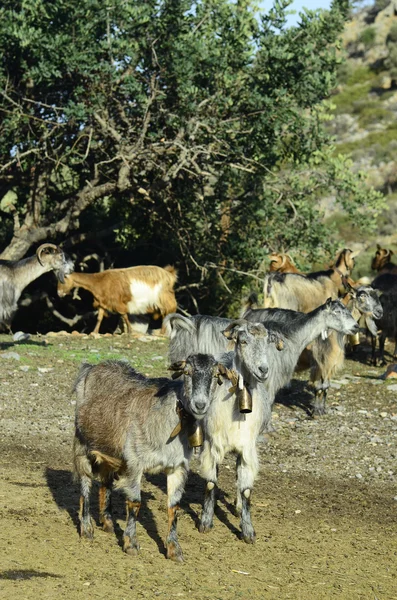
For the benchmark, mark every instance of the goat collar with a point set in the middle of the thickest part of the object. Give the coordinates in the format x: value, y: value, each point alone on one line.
x: 236, y: 379
x: 185, y: 419
x: 340, y: 272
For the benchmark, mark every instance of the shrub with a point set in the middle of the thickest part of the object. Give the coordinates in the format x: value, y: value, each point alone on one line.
x: 367, y: 37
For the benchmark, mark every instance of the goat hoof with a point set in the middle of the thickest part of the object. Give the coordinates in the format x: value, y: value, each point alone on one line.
x: 87, y: 531
x: 132, y: 550
x: 205, y: 528
x: 249, y: 539
x: 174, y: 552
x: 107, y: 526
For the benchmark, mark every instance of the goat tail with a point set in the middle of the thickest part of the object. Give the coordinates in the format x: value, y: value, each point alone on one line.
x: 172, y: 271
x: 174, y: 322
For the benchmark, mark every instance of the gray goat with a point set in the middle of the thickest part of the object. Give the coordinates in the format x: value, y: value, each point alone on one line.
x: 15, y: 275
x: 226, y: 430
x: 203, y: 333
x: 127, y: 425
x: 326, y: 354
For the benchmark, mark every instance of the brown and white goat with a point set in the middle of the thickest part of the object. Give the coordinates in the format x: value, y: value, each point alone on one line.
x: 135, y: 290
x: 382, y: 263
x: 281, y: 262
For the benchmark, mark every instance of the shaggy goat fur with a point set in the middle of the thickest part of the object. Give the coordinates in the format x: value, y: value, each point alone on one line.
x: 127, y: 425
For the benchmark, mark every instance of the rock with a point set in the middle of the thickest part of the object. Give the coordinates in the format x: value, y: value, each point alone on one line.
x: 20, y: 336
x: 392, y: 388
x: 13, y: 355
x: 44, y: 369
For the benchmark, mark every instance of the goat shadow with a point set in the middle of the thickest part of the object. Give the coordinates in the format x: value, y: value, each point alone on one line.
x: 298, y: 394
x: 67, y: 495
x: 15, y: 344
x: 193, y: 496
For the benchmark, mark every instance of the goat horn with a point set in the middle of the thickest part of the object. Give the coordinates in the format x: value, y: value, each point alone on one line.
x: 41, y: 249
x: 284, y: 258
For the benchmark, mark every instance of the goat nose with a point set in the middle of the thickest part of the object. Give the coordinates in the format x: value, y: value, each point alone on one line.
x: 264, y: 369
x: 200, y: 406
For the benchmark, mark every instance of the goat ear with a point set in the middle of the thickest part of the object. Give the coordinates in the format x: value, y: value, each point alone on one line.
x: 276, y: 338
x: 391, y: 252
x: 378, y: 246
x: 355, y: 253
x: 232, y: 329
x: 178, y: 368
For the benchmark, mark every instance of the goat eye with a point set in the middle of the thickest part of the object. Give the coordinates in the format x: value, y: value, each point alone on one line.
x: 243, y: 342
x: 186, y: 373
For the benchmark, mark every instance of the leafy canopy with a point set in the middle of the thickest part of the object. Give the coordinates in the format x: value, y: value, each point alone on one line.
x: 198, y: 127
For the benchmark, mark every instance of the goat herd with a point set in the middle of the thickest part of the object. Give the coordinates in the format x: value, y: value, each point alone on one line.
x: 225, y: 376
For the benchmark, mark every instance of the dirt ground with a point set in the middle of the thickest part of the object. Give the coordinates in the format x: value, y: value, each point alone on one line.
x: 324, y: 505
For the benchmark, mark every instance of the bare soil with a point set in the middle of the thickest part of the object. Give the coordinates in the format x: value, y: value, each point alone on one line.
x: 324, y: 505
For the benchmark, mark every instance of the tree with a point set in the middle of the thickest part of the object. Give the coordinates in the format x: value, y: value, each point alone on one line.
x: 198, y: 125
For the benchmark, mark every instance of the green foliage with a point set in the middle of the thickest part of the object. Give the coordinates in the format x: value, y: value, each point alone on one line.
x: 368, y: 37
x: 392, y: 35
x: 344, y: 100
x: 197, y: 125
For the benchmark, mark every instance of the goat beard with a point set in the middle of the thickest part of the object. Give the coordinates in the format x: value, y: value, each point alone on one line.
x: 370, y: 323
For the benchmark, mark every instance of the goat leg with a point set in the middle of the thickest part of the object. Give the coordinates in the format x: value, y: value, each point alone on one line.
x: 246, y: 473
x: 382, y: 339
x: 175, y: 486
x: 210, y: 474
x: 320, y: 399
x: 373, y: 355
x: 86, y: 523
x: 101, y: 314
x: 105, y: 516
x: 133, y: 504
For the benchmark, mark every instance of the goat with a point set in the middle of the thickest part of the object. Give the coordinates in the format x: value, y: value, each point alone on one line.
x: 127, y: 425
x: 281, y: 262
x: 15, y: 275
x: 226, y: 430
x: 382, y: 263
x: 386, y: 286
x: 305, y: 292
x: 325, y: 356
x: 136, y: 290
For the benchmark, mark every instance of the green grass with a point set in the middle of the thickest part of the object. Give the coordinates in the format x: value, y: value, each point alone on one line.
x: 38, y: 352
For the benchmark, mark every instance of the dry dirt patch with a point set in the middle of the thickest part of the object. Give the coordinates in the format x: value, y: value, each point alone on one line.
x: 324, y: 505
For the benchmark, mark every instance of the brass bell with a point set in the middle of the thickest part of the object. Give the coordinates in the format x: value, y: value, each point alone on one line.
x: 195, y: 435
x: 244, y: 400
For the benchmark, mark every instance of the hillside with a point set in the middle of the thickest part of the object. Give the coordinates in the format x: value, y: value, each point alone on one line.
x: 365, y: 113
